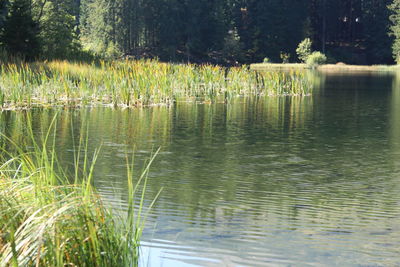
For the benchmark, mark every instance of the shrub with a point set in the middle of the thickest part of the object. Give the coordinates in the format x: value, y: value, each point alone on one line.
x: 316, y: 58
x: 285, y: 57
x: 266, y: 60
x: 304, y: 49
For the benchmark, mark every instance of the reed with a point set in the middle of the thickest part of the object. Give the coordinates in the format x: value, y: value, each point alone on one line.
x: 137, y: 83
x: 48, y: 218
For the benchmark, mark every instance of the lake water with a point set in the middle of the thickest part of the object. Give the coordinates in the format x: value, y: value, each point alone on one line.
x: 257, y: 182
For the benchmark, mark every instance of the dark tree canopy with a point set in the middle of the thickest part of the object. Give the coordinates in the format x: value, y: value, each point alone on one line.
x: 20, y: 34
x: 218, y: 31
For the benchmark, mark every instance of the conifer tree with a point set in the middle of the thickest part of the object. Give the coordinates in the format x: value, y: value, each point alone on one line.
x: 376, y: 25
x: 3, y: 12
x: 395, y: 29
x: 20, y: 36
x: 57, y: 29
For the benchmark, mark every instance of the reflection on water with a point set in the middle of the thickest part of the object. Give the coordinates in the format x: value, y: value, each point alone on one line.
x: 261, y: 181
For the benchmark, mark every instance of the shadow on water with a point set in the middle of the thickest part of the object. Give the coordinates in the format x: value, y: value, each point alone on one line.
x: 283, y: 180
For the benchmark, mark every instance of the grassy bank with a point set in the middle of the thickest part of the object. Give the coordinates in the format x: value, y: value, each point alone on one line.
x: 50, y: 218
x: 137, y: 83
x: 324, y: 68
x: 277, y: 67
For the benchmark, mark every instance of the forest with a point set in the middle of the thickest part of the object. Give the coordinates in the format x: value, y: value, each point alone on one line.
x: 225, y: 32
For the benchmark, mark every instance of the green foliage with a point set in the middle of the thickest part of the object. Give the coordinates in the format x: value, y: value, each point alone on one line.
x: 57, y: 24
x: 395, y: 29
x: 20, y: 36
x: 357, y: 28
x: 376, y: 24
x: 47, y: 220
x: 101, y: 27
x: 285, y: 57
x: 220, y: 31
x: 269, y: 27
x: 266, y: 60
x: 304, y: 49
x: 316, y: 58
x: 232, y: 49
x: 3, y: 12
x: 133, y: 83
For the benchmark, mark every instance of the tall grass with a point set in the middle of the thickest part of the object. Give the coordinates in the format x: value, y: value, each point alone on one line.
x: 48, y: 218
x: 137, y: 83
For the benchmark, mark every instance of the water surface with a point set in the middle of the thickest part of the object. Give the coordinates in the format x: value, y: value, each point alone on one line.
x: 286, y: 181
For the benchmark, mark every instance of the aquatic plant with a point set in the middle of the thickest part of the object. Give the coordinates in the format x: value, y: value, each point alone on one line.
x: 137, y: 83
x: 50, y: 218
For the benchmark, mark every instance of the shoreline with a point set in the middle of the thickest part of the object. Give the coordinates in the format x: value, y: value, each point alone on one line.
x: 327, y: 68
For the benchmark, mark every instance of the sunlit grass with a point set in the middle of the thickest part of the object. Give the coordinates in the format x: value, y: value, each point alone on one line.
x: 50, y: 218
x: 137, y: 83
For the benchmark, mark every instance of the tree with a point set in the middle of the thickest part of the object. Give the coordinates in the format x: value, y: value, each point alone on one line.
x: 376, y: 25
x: 218, y: 31
x: 205, y: 29
x: 20, y: 36
x: 102, y: 27
x: 58, y: 29
x: 3, y: 12
x: 395, y: 29
x: 270, y: 28
x: 304, y: 49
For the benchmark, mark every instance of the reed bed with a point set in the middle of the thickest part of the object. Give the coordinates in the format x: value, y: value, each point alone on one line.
x: 137, y: 83
x: 48, y: 218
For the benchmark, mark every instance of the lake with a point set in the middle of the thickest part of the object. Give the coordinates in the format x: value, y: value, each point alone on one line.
x: 266, y: 181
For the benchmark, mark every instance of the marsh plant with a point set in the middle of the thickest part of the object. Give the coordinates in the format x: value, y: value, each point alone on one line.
x: 136, y: 83
x: 50, y: 218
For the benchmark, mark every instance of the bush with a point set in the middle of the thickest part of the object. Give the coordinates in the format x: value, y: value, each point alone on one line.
x: 316, y: 58
x: 266, y: 60
x: 304, y: 49
x: 285, y: 57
